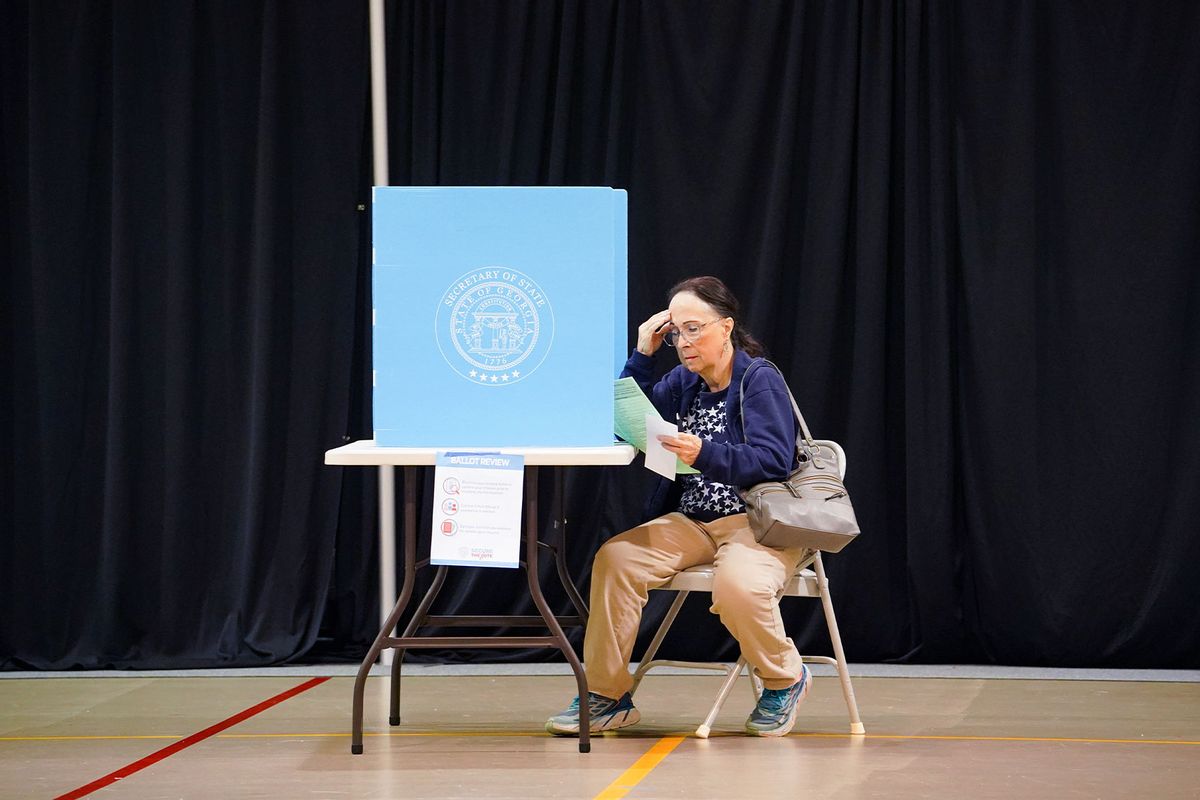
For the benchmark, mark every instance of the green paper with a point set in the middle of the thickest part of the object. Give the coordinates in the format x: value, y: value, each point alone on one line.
x: 629, y: 418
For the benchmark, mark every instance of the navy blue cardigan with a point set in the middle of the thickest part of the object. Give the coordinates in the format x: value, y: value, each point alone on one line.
x: 770, y: 426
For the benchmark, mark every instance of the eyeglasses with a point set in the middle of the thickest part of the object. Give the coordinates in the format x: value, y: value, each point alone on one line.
x: 689, y: 332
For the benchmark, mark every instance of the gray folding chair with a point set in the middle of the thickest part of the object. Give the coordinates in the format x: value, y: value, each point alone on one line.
x: 808, y: 581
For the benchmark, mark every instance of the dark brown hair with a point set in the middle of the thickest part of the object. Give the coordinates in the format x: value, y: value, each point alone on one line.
x: 712, y: 291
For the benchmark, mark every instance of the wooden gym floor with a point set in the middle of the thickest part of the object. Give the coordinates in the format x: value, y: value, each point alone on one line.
x: 286, y: 735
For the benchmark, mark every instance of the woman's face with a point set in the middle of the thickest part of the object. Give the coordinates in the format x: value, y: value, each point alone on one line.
x: 708, y: 350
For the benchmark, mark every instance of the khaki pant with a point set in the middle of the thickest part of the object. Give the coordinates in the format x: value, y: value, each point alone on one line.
x: 746, y: 580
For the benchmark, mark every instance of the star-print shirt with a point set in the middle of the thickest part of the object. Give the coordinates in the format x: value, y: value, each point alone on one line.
x: 703, y: 499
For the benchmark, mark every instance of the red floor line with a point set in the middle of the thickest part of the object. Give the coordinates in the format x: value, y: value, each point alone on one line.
x: 199, y: 736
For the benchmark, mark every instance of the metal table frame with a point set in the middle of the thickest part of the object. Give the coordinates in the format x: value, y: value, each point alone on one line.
x: 365, y: 453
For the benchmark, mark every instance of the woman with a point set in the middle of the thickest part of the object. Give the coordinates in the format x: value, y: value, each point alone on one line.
x: 700, y: 519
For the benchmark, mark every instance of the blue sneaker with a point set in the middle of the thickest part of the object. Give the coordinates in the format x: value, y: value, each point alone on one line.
x: 775, y: 713
x: 606, y: 715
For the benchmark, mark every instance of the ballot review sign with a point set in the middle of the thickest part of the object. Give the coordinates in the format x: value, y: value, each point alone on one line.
x: 477, y: 509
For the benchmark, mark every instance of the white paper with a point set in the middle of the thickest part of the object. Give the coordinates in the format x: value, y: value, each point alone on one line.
x: 658, y: 458
x: 630, y: 409
x: 477, y: 510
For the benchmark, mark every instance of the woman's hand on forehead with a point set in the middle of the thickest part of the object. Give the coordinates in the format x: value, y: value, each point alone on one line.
x: 650, y: 332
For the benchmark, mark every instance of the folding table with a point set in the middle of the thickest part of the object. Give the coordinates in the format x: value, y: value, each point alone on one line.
x: 366, y: 453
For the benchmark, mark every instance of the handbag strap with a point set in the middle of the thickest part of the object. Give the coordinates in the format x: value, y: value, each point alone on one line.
x: 804, y: 437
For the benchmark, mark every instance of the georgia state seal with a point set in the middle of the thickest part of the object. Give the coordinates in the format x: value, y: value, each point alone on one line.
x: 494, y: 326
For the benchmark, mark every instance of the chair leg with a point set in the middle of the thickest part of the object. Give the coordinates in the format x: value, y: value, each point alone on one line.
x: 856, y: 725
x: 756, y: 684
x: 734, y: 673
x: 656, y: 642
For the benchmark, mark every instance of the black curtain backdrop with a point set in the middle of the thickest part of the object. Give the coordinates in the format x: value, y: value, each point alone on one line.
x: 969, y: 233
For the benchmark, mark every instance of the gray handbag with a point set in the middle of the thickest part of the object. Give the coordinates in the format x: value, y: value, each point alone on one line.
x: 811, y: 508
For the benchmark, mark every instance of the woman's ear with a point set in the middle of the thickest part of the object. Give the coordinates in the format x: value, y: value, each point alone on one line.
x: 728, y: 324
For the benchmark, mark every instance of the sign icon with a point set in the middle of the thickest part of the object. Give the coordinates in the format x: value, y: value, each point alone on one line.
x: 451, y: 486
x: 448, y: 527
x: 449, y: 506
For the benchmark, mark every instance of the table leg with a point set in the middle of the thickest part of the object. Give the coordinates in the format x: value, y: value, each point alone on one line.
x: 560, y: 551
x: 418, y: 618
x: 535, y: 590
x: 389, y: 625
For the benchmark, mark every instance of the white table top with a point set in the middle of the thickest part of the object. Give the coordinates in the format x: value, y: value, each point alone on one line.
x: 365, y: 453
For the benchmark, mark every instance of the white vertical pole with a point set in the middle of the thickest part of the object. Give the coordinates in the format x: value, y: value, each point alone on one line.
x: 379, y: 140
x: 379, y: 152
x: 387, y: 549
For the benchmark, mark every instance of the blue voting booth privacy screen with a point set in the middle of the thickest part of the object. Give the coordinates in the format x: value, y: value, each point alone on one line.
x: 499, y: 315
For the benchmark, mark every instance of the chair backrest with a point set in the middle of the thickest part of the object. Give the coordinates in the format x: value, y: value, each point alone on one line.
x: 804, y: 582
x: 837, y: 448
